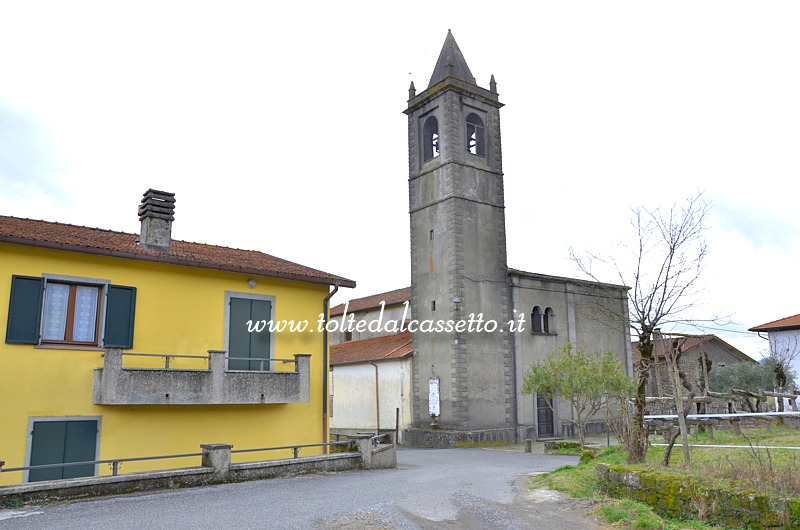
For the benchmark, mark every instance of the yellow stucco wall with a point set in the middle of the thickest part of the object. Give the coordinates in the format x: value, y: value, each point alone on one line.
x: 179, y: 310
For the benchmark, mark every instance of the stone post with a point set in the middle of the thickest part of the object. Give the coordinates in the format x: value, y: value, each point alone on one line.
x: 216, y: 363
x: 217, y: 456
x: 106, y: 380
x: 112, y: 359
x: 365, y: 448
x: 380, y: 457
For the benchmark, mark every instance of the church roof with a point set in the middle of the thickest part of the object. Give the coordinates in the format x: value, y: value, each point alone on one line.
x: 562, y: 279
x: 451, y: 55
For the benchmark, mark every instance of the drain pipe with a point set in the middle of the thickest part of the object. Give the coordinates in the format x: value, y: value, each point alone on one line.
x: 377, y: 402
x: 325, y: 369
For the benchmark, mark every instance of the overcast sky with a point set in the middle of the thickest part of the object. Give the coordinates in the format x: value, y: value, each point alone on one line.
x: 280, y: 127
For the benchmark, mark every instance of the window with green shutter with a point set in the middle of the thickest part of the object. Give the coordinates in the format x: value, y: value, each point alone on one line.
x: 249, y: 338
x: 59, y: 311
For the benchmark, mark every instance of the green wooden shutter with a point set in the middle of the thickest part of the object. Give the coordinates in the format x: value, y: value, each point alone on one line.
x: 24, y: 310
x: 47, y: 447
x: 238, y: 336
x: 59, y: 442
x: 259, y: 342
x: 241, y: 343
x: 80, y: 445
x: 120, y: 312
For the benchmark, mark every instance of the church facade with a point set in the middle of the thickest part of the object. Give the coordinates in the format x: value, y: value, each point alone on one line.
x: 477, y: 326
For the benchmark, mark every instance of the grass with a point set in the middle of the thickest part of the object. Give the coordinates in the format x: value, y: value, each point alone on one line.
x: 14, y: 502
x: 633, y: 514
x: 580, y: 481
x: 774, y: 471
x: 771, y: 471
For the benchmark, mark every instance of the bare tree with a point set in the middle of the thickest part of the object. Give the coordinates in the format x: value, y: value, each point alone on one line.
x: 668, y: 254
x: 680, y: 382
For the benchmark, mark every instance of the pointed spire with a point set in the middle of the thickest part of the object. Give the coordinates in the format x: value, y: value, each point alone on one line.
x: 412, y: 91
x: 493, y: 85
x: 451, y: 62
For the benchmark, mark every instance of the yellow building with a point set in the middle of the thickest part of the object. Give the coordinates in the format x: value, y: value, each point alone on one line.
x: 119, y: 345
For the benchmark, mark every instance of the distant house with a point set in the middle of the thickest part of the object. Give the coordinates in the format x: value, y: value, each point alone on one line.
x: 371, y: 383
x: 784, y: 339
x: 368, y: 310
x: 719, y: 352
x: 122, y: 345
x: 371, y: 364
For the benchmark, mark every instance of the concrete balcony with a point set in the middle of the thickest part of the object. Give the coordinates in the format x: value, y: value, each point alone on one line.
x: 115, y: 385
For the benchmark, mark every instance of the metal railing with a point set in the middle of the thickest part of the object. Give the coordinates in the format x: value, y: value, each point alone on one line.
x: 261, y: 362
x: 295, y: 448
x: 169, y: 356
x: 377, y: 437
x: 114, y: 463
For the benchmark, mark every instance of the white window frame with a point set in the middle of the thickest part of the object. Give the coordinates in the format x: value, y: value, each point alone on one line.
x: 102, y: 284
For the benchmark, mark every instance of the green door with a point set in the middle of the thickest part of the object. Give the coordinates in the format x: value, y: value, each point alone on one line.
x: 58, y: 442
x: 244, y: 344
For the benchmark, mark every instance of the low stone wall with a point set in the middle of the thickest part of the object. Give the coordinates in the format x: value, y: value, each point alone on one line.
x: 290, y: 467
x: 676, y: 496
x: 593, y: 428
x: 216, y: 469
x: 442, y: 439
x: 78, y: 488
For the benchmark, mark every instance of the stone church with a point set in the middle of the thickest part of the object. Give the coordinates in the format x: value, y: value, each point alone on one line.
x: 465, y: 381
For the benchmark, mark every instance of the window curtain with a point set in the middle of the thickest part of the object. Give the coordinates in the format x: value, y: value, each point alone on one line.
x: 83, y: 327
x: 56, y: 302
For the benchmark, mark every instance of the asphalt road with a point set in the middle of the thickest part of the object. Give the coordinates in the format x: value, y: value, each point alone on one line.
x: 445, y: 488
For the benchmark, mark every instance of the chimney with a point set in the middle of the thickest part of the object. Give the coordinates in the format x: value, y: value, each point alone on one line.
x: 156, y: 214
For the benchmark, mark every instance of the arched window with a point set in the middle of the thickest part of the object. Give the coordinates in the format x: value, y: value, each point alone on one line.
x: 430, y: 139
x: 476, y: 141
x: 549, y: 322
x: 536, y: 320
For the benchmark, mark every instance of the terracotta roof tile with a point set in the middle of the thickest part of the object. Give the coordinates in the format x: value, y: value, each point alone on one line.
x: 124, y: 245
x: 792, y: 322
x: 377, y: 349
x: 398, y: 296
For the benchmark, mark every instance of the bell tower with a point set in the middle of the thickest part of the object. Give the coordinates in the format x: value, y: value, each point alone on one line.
x: 459, y: 273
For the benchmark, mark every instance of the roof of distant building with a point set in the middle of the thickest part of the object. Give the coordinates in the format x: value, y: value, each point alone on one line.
x: 690, y: 342
x: 101, y: 242
x: 376, y: 349
x: 792, y: 322
x: 390, y: 298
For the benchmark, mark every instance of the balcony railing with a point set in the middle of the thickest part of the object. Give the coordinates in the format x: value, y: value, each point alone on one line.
x: 214, y: 385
